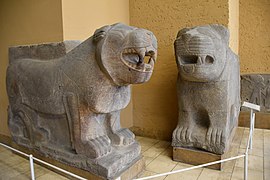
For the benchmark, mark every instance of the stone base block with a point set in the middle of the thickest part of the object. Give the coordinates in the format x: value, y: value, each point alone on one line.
x: 197, y: 157
x: 130, y: 173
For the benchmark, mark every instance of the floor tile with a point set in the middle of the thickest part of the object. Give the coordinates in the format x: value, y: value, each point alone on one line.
x: 266, y: 162
x: 238, y: 174
x: 254, y: 152
x: 9, y: 160
x: 266, y: 174
x: 51, y: 176
x: 254, y: 163
x: 209, y: 174
x: 189, y: 175
x: 161, y: 164
x: 168, y: 152
x: 146, y: 143
x: 266, y: 142
x: 148, y: 160
x: 2, y: 149
x: 146, y: 173
x: 156, y: 149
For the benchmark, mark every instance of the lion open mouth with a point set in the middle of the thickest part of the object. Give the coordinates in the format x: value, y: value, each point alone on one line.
x: 139, y: 59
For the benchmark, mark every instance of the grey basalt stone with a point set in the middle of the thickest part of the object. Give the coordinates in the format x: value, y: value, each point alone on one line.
x: 208, y: 89
x: 255, y: 88
x: 65, y: 98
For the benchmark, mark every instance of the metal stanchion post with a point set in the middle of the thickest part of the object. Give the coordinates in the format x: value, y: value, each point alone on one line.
x: 32, y: 167
x: 253, y: 122
x: 246, y: 166
x: 251, y: 128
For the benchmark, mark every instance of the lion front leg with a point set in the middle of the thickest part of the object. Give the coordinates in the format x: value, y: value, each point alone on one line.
x: 119, y: 136
x: 217, y: 132
x: 183, y: 132
x: 93, y: 140
x: 87, y: 132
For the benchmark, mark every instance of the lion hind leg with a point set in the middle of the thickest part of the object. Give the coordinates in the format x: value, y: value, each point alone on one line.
x: 20, y: 126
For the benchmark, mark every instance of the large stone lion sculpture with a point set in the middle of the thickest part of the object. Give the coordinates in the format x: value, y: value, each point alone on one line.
x: 67, y: 104
x: 208, y: 88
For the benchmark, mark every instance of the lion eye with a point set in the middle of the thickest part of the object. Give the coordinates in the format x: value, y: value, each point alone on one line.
x: 189, y: 59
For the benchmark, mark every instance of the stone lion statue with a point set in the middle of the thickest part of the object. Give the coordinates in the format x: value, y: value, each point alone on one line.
x: 208, y: 88
x: 67, y: 104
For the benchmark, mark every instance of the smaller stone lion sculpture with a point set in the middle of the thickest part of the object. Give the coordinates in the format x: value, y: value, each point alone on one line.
x: 67, y: 104
x: 208, y: 89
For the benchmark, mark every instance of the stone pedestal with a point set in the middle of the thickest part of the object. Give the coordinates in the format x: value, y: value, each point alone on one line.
x: 128, y: 174
x: 197, y: 157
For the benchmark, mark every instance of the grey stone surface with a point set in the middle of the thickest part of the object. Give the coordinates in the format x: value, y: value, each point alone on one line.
x: 208, y: 88
x: 65, y: 98
x: 255, y: 88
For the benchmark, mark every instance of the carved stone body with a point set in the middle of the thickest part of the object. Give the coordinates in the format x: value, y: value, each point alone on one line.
x: 208, y: 88
x: 67, y: 104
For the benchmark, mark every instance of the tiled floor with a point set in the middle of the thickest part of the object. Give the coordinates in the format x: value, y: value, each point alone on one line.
x: 14, y: 167
x: 158, y: 158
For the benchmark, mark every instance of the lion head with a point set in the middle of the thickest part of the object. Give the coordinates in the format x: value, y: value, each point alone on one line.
x: 126, y: 54
x: 201, y: 52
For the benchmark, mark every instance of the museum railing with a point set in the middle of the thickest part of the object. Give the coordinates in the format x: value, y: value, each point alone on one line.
x: 252, y: 107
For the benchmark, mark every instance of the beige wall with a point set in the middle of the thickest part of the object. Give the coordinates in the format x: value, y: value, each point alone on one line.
x: 155, y: 104
x: 80, y: 20
x: 254, y: 48
x: 25, y: 22
x: 234, y: 25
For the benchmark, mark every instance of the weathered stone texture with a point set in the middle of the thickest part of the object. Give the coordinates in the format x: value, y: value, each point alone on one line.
x: 208, y: 88
x: 255, y: 88
x: 65, y: 98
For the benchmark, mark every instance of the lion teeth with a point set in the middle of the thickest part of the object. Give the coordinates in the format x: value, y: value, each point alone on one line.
x: 143, y: 68
x: 147, y: 67
x: 130, y: 51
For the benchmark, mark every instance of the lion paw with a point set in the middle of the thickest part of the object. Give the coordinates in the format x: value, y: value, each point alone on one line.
x: 123, y: 137
x: 97, y: 147
x: 216, y: 137
x: 182, y: 134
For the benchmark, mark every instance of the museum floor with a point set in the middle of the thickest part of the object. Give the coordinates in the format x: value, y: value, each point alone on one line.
x: 158, y: 160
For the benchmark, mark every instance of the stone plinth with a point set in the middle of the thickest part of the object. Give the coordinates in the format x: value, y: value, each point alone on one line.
x: 196, y: 157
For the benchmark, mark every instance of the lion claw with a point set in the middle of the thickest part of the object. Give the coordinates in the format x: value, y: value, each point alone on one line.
x: 182, y: 134
x: 123, y: 137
